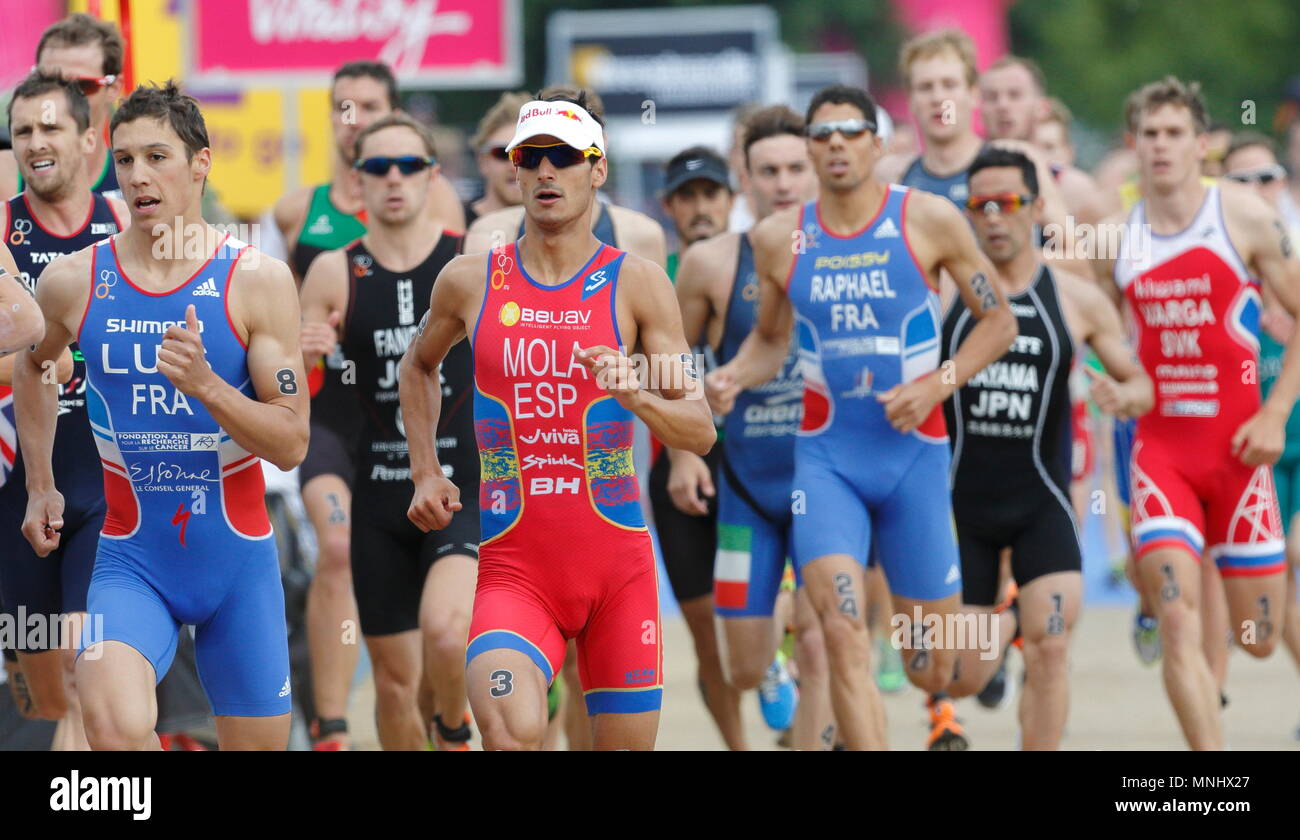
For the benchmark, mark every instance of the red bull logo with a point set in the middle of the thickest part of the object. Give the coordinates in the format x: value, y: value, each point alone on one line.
x: 569, y: 114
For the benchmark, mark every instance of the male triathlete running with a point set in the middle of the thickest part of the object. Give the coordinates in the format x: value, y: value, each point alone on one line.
x: 57, y: 214
x: 717, y: 287
x: 500, y: 190
x: 872, y: 457
x: 194, y: 373
x: 87, y: 52
x: 565, y: 551
x: 414, y: 591
x: 314, y: 220
x: 1190, y: 288
x: 1011, y: 444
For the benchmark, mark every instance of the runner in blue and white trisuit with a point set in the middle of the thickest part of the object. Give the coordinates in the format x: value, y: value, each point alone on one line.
x: 872, y: 456
x: 717, y: 287
x: 194, y: 374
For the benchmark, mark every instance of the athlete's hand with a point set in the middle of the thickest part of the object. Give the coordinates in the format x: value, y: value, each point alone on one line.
x: 612, y: 371
x: 1107, y: 394
x: 181, y: 360
x: 721, y: 389
x: 908, y: 405
x: 434, y: 502
x: 319, y: 339
x: 1260, y: 439
x: 1275, y: 321
x: 689, y: 482
x: 43, y: 521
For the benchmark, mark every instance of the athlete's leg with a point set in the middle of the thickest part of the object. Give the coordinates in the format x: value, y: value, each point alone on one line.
x: 814, y: 721
x: 625, y: 731
x: 253, y: 733
x: 1291, y: 630
x: 720, y: 698
x: 331, y: 607
x: 395, y: 660
x: 507, y: 691
x: 577, y: 729
x: 837, y: 590
x: 43, y: 671
x: 118, y: 701
x: 1257, y: 610
x: 1215, y: 632
x: 1171, y: 578
x: 1049, y: 607
x: 750, y: 643
x: 445, y: 612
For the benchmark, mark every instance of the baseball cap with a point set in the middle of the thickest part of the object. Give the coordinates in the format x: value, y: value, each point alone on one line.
x: 565, y: 121
x: 697, y: 163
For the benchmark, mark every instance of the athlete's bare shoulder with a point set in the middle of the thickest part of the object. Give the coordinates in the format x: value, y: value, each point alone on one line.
x: 444, y: 204
x: 8, y: 175
x: 638, y: 233
x: 121, y: 212
x: 496, y: 228
x: 709, y: 259
x: 64, y: 287
x: 291, y: 211
x: 1243, y: 206
x: 641, y: 271
x: 1081, y: 292
x: 932, y: 216
x: 890, y: 168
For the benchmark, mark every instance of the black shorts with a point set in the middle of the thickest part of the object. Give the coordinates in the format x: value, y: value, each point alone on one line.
x: 391, y: 557
x: 1042, y: 538
x: 688, y: 543
x: 50, y: 585
x: 328, y: 453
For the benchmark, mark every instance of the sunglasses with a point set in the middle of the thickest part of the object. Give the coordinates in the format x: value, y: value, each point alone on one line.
x: 1005, y: 202
x: 851, y: 129
x: 90, y: 85
x: 498, y: 152
x: 407, y: 164
x: 1267, y: 175
x: 561, y: 155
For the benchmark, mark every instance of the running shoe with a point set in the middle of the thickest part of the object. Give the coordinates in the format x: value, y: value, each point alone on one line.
x: 890, y: 676
x: 456, y: 740
x: 1146, y: 638
x: 329, y: 735
x: 946, y: 733
x: 777, y: 695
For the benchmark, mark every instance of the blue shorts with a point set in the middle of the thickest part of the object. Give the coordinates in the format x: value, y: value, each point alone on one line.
x: 1123, y: 432
x: 752, y: 550
x: 240, y: 638
x: 909, y: 524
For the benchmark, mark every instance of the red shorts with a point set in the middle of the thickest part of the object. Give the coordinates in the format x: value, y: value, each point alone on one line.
x: 1082, y: 455
x: 1184, y: 499
x: 604, y: 595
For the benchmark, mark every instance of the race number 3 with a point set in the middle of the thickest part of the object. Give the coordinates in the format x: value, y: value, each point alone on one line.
x: 504, y: 683
x: 288, y: 381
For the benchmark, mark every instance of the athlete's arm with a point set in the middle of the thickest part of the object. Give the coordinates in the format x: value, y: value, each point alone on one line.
x: 1271, y: 256
x: 324, y: 299
x: 940, y: 230
x: 891, y: 167
x: 8, y: 175
x: 679, y: 417
x: 1102, y: 265
x: 274, y: 425
x: 290, y: 212
x: 689, y: 480
x: 120, y: 212
x: 444, y: 205
x: 21, y: 324
x: 436, y: 498
x: 62, y: 293
x: 760, y: 355
x: 1124, y: 390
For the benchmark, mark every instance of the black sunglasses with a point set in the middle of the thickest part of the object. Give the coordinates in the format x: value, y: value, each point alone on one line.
x: 849, y: 128
x: 406, y: 164
x: 498, y: 152
x: 1264, y: 176
x: 561, y: 155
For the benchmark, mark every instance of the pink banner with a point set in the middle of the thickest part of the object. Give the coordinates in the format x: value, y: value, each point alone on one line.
x: 23, y: 25
x: 446, y: 40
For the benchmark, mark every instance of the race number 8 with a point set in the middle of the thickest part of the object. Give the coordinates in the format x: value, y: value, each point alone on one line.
x: 288, y: 381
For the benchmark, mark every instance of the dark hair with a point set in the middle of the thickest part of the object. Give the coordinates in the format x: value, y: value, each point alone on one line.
x: 398, y: 120
x: 38, y: 82
x: 585, y: 98
x: 771, y: 121
x: 81, y: 28
x: 376, y: 70
x: 843, y: 95
x: 1244, y: 140
x: 1031, y: 67
x: 1168, y: 91
x: 991, y: 157
x: 179, y: 109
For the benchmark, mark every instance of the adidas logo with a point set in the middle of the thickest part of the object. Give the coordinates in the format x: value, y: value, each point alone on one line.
x: 322, y: 226
x: 887, y: 230
x: 284, y: 690
x: 207, y: 287
x: 953, y: 574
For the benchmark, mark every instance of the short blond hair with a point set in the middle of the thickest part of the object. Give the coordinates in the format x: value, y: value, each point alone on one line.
x: 1031, y: 67
x: 930, y: 44
x: 398, y: 119
x: 503, y: 113
x: 1170, y: 90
